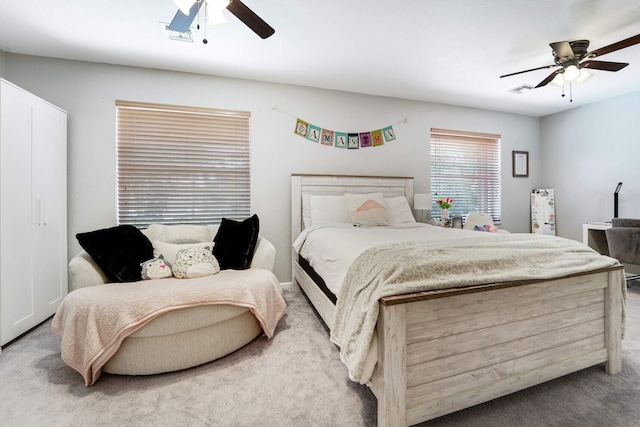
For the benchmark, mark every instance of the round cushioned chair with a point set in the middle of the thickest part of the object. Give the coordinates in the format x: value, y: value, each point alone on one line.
x: 182, y: 338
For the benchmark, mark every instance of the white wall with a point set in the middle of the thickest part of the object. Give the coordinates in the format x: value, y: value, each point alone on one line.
x: 585, y: 153
x: 88, y: 92
x: 3, y: 63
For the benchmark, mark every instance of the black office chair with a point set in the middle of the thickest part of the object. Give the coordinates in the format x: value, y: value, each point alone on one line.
x: 623, y: 239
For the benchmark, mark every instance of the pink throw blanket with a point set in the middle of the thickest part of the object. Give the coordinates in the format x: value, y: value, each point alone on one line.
x: 94, y: 321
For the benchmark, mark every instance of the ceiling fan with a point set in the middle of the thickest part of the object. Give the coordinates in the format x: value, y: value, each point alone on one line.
x: 189, y: 9
x: 573, y: 60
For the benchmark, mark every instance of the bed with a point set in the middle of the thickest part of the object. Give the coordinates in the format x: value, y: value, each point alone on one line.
x: 438, y: 351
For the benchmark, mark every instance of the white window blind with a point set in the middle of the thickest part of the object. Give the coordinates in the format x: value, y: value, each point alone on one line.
x: 179, y: 164
x: 466, y: 167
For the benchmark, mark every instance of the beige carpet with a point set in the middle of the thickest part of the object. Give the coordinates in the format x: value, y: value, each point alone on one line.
x: 295, y: 379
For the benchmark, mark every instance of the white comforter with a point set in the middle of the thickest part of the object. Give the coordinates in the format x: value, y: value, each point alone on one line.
x: 331, y: 250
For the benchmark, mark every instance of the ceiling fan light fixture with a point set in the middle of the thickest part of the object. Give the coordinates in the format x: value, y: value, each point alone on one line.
x: 214, y: 12
x: 571, y: 73
x: 584, y: 76
x: 558, y: 80
x: 184, y: 5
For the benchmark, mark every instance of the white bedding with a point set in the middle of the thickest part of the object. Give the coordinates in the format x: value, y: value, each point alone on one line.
x: 330, y: 250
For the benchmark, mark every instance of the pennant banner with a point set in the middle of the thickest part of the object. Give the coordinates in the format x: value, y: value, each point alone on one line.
x: 348, y: 140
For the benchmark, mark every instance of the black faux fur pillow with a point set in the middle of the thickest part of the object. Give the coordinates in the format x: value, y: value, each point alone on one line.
x: 235, y: 243
x: 118, y: 251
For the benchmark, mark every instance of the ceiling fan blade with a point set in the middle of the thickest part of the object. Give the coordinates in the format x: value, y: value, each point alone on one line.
x: 250, y: 19
x: 526, y: 71
x: 562, y: 50
x: 182, y: 22
x: 615, y: 46
x: 603, y: 65
x: 548, y: 79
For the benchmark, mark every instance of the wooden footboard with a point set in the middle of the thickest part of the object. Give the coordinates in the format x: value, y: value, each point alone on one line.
x: 439, y: 352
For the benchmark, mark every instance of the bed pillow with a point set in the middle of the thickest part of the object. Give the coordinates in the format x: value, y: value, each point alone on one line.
x: 329, y: 210
x: 170, y: 250
x: 118, y: 251
x: 399, y: 211
x: 367, y: 209
x: 235, y: 243
x: 195, y: 262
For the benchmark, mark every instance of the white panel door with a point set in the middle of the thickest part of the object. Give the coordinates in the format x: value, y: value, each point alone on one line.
x: 16, y: 250
x: 49, y: 204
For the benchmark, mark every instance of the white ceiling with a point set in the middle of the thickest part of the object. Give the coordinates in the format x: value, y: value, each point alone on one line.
x: 446, y: 51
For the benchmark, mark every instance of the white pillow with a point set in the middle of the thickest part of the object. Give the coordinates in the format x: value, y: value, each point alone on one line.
x: 399, y: 211
x: 169, y: 250
x: 367, y: 209
x: 329, y: 210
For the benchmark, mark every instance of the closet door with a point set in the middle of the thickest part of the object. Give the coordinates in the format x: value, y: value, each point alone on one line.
x: 33, y: 205
x: 49, y: 205
x: 16, y: 216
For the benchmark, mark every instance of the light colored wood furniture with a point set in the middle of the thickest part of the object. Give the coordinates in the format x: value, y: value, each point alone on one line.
x: 446, y: 350
x: 33, y: 210
x: 593, y: 235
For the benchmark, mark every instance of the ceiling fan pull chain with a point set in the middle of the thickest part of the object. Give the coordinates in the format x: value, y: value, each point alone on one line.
x: 204, y: 39
x: 570, y: 92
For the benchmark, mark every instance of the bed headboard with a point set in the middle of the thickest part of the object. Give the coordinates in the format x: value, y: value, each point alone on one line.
x: 390, y: 186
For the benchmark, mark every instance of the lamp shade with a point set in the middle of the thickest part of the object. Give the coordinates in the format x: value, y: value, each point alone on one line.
x: 422, y: 202
x: 184, y: 5
x: 215, y: 15
x: 571, y: 73
x: 584, y: 76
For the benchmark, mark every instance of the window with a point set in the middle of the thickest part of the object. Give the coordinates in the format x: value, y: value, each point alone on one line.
x: 465, y: 166
x: 181, y: 164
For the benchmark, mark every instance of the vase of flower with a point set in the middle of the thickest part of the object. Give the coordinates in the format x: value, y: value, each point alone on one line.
x: 445, y: 204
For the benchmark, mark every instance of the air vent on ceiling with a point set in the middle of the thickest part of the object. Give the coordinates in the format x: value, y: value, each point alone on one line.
x: 187, y: 36
x: 521, y: 89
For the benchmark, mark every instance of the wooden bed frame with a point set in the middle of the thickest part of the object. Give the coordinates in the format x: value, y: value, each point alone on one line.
x: 442, y: 351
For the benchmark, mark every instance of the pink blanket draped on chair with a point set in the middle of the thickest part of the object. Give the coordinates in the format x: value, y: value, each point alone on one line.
x: 94, y: 321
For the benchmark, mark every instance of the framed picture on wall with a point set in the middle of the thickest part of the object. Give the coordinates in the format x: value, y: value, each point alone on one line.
x: 520, y: 163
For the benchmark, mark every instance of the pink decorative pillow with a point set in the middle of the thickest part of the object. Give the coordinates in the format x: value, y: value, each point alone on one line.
x: 367, y: 209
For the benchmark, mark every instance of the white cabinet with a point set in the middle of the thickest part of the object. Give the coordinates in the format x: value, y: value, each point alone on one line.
x: 33, y: 210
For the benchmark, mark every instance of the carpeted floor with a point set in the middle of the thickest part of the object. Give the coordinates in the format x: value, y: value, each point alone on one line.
x: 294, y: 379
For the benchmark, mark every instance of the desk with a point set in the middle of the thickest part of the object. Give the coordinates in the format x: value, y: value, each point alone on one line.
x: 593, y: 236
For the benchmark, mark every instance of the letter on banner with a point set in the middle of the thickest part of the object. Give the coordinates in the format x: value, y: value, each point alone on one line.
x: 314, y: 133
x: 389, y: 134
x: 301, y: 128
x: 354, y: 141
x: 365, y: 139
x: 341, y: 140
x: 376, y: 136
x: 327, y: 137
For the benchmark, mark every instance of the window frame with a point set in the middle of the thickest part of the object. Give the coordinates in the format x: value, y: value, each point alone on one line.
x: 203, y: 152
x: 455, y: 172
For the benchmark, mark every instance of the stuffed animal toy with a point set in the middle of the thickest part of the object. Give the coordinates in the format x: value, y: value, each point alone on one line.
x: 156, y: 268
x: 195, y: 262
x: 490, y: 228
